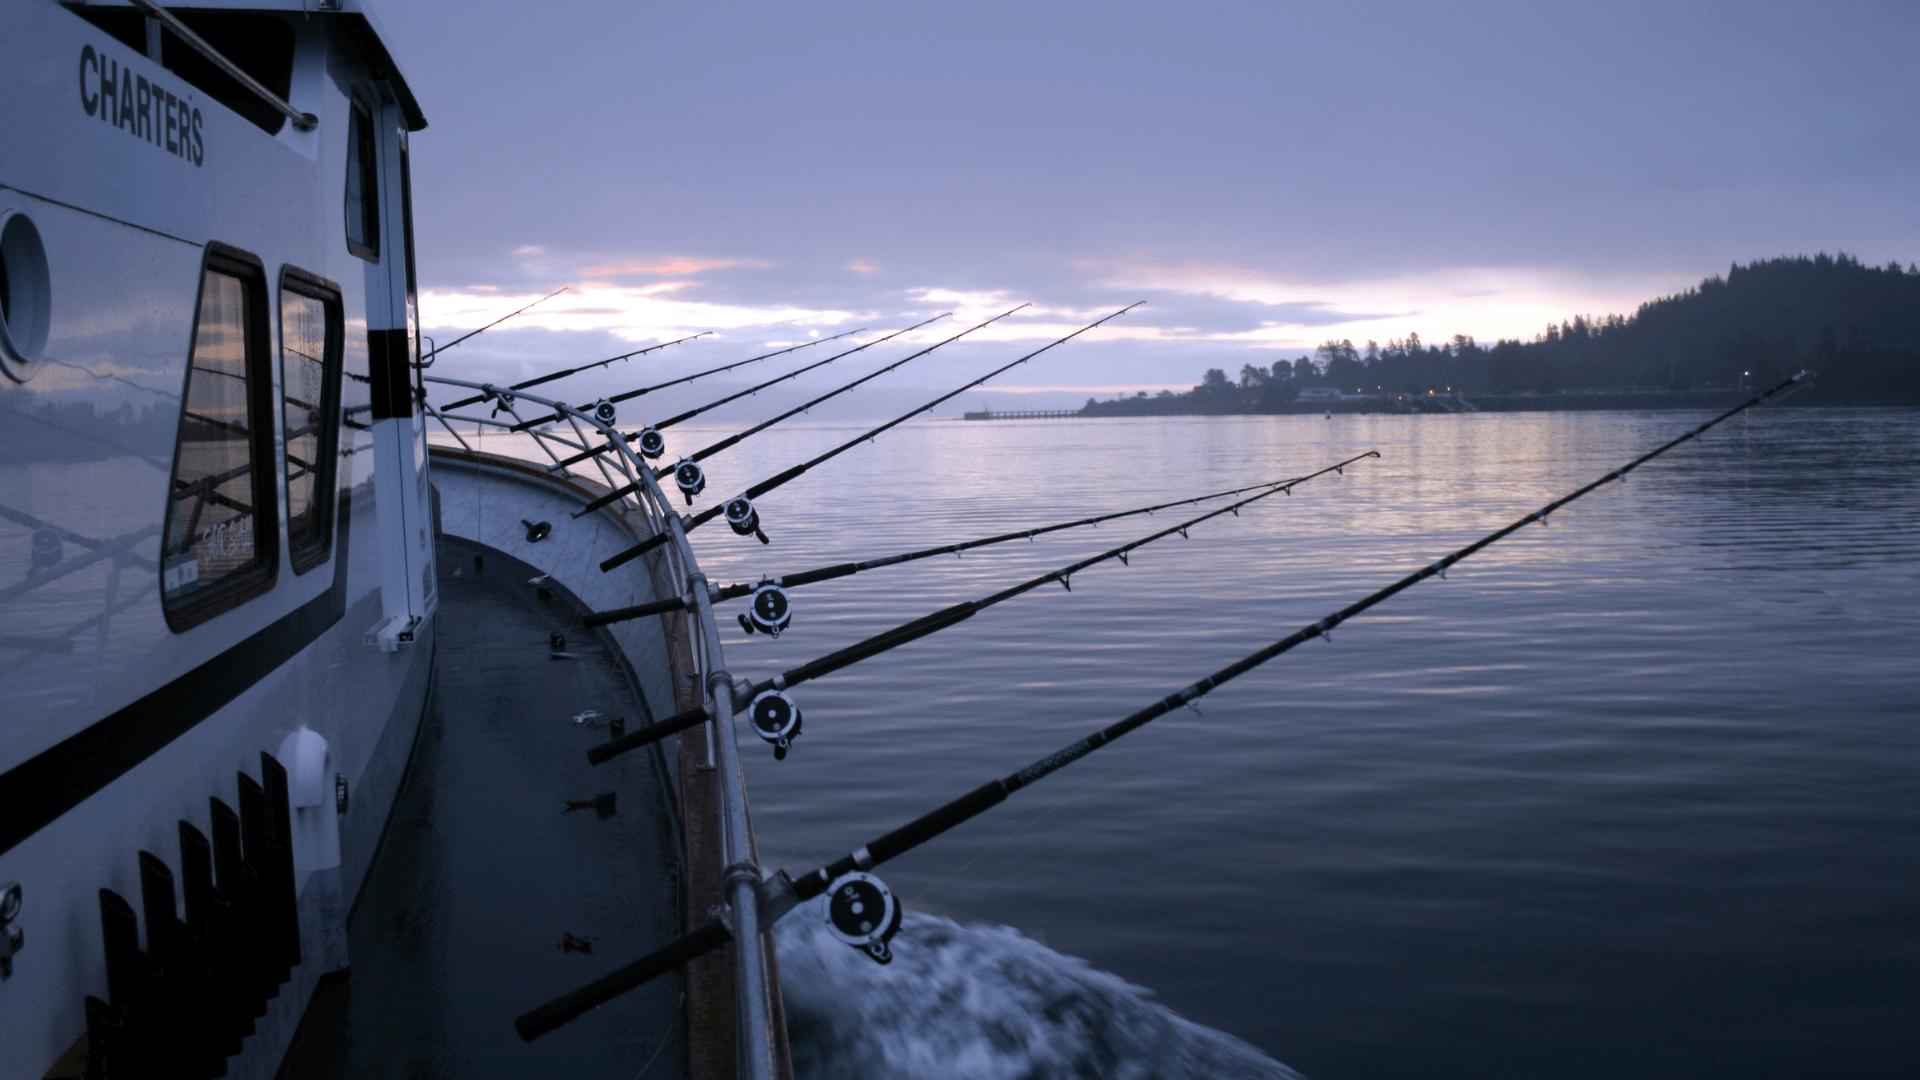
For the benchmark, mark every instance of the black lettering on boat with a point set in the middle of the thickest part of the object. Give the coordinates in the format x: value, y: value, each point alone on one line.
x: 141, y: 108
x: 87, y: 58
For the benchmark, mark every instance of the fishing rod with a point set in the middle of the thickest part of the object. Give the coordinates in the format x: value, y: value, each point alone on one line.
x: 775, y: 716
x: 652, y: 444
x: 772, y: 608
x: 493, y: 392
x: 435, y: 352
x: 691, y: 479
x: 604, y: 408
x: 864, y: 913
x: 743, y: 519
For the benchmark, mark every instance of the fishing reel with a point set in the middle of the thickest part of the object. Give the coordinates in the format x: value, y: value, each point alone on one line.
x: 776, y: 718
x: 690, y: 478
x: 603, y: 411
x: 743, y: 519
x: 652, y: 444
x: 47, y: 542
x: 770, y: 611
x: 864, y: 913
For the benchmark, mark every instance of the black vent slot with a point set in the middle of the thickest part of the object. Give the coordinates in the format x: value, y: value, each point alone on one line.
x: 183, y: 1005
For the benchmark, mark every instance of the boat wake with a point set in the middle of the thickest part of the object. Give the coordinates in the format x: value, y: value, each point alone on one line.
x: 983, y: 1003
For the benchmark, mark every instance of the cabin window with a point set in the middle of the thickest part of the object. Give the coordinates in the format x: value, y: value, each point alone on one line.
x: 220, y: 546
x: 363, y: 185
x: 312, y: 336
x: 258, y: 44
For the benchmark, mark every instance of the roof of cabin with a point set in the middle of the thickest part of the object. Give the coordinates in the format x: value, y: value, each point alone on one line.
x: 356, y: 16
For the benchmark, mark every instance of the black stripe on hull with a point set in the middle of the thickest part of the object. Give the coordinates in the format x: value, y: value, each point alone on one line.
x: 36, y: 792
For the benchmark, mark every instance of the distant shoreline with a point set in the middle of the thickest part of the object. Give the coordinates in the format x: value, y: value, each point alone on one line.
x: 1406, y: 404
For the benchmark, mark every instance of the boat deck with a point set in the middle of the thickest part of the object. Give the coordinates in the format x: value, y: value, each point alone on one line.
x: 485, y: 868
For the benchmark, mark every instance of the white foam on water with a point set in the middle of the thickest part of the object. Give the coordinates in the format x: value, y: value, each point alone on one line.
x: 983, y: 1003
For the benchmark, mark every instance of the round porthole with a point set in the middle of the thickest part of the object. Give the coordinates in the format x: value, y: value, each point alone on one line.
x: 25, y: 302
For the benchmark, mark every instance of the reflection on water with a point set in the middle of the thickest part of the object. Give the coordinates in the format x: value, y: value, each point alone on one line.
x: 1635, y: 792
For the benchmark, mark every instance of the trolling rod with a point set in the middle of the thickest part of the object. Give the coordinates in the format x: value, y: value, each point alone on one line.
x: 776, y: 718
x: 691, y: 479
x: 772, y: 613
x: 443, y: 348
x: 608, y: 415
x: 493, y: 392
x: 652, y: 445
x: 743, y: 519
x: 865, y: 914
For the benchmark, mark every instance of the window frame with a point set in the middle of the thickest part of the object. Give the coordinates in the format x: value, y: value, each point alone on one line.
x: 327, y: 461
x: 363, y: 143
x: 183, y: 614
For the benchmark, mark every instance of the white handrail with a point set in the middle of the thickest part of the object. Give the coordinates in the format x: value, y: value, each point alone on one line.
x: 302, y: 121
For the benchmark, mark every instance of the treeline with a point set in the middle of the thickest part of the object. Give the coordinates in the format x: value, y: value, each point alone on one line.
x: 1857, y: 326
x: 74, y: 432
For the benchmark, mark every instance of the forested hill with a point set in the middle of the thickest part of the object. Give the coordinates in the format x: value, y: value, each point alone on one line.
x: 1856, y: 326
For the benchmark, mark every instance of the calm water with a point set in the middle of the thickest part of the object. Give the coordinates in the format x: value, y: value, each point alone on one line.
x: 1637, y: 793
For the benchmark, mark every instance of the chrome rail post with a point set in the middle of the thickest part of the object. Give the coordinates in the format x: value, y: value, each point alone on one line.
x: 755, y: 1043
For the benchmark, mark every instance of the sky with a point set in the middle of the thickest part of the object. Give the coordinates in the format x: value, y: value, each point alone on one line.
x: 1265, y: 176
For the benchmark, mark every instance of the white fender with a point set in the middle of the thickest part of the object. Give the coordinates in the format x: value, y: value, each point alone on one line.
x: 316, y: 824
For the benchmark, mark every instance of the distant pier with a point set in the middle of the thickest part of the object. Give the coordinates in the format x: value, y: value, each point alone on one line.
x: 1024, y: 414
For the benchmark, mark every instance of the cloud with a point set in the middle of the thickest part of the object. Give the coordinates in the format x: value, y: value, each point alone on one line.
x: 678, y: 266
x: 1484, y: 302
x: 633, y: 313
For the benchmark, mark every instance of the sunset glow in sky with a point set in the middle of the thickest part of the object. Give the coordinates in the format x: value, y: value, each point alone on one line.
x: 1265, y: 176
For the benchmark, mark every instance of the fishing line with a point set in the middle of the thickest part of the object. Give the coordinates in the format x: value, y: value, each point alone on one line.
x: 691, y: 413
x: 604, y: 409
x: 425, y: 360
x: 744, y: 520
x: 691, y: 479
x: 652, y: 445
x: 664, y: 1039
x: 492, y: 391
x: 776, y: 718
x: 765, y: 622
x: 1089, y: 786
x: 863, y: 913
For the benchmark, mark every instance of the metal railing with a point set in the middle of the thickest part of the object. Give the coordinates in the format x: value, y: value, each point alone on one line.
x: 753, y: 999
x: 302, y: 121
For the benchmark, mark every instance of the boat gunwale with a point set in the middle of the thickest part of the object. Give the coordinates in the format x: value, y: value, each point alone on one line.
x: 643, y: 513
